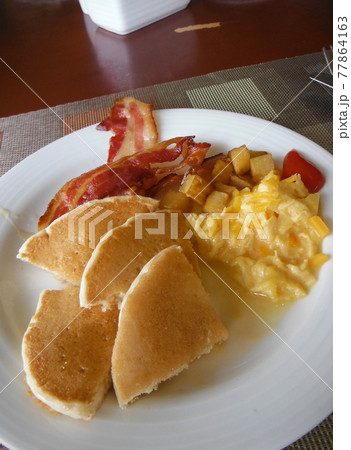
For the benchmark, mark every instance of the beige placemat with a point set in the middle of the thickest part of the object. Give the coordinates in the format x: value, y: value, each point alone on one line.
x: 278, y: 91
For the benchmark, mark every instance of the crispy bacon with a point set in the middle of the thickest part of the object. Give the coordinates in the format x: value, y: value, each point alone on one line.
x: 131, y: 175
x: 133, y: 125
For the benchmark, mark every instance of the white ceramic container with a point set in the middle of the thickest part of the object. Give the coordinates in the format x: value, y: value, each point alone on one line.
x: 125, y: 16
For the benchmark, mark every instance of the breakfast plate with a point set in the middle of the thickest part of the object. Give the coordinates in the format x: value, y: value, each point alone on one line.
x: 268, y: 385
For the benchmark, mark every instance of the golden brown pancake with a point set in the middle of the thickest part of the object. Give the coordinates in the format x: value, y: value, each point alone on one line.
x: 166, y: 321
x: 123, y: 252
x: 65, y: 246
x: 67, y: 351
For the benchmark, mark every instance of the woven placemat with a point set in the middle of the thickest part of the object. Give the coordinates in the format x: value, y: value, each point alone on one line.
x: 278, y: 91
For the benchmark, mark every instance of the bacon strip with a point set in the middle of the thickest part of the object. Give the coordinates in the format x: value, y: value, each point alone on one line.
x: 132, y: 174
x: 133, y: 125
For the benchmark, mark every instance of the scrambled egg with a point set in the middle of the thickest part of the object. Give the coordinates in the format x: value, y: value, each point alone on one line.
x: 269, y: 236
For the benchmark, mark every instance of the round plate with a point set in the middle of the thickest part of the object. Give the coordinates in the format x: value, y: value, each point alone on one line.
x: 264, y: 388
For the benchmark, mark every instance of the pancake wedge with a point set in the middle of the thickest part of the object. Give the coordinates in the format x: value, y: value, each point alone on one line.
x: 123, y: 252
x: 166, y: 321
x: 66, y: 352
x: 65, y: 246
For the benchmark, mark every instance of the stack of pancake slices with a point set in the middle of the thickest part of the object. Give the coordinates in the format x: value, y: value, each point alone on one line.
x: 132, y: 312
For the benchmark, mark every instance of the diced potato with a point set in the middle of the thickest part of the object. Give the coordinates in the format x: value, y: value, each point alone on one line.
x: 216, y: 202
x: 224, y: 188
x: 240, y: 159
x: 261, y: 166
x: 240, y: 182
x: 254, y: 153
x: 221, y: 171
x: 176, y: 200
x: 196, y: 188
x: 318, y: 259
x: 319, y: 226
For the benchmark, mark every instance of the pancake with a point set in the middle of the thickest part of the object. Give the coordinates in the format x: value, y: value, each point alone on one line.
x: 166, y: 321
x: 123, y: 252
x: 66, y: 352
x: 65, y: 246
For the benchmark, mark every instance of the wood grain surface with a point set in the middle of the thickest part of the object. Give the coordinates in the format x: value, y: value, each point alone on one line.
x: 50, y: 49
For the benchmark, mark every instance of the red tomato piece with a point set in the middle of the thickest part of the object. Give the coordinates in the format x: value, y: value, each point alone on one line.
x: 312, y: 178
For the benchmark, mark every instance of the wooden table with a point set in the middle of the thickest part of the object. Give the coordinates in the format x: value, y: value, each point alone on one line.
x: 52, y: 50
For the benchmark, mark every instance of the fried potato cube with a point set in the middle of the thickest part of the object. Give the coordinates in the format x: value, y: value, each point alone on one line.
x: 196, y: 188
x: 216, y: 202
x: 240, y: 159
x: 260, y: 166
x: 240, y: 182
x: 224, y: 188
x: 254, y: 153
x: 221, y: 171
x: 176, y: 200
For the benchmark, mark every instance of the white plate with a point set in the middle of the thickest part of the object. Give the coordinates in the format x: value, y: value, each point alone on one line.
x: 261, y: 390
